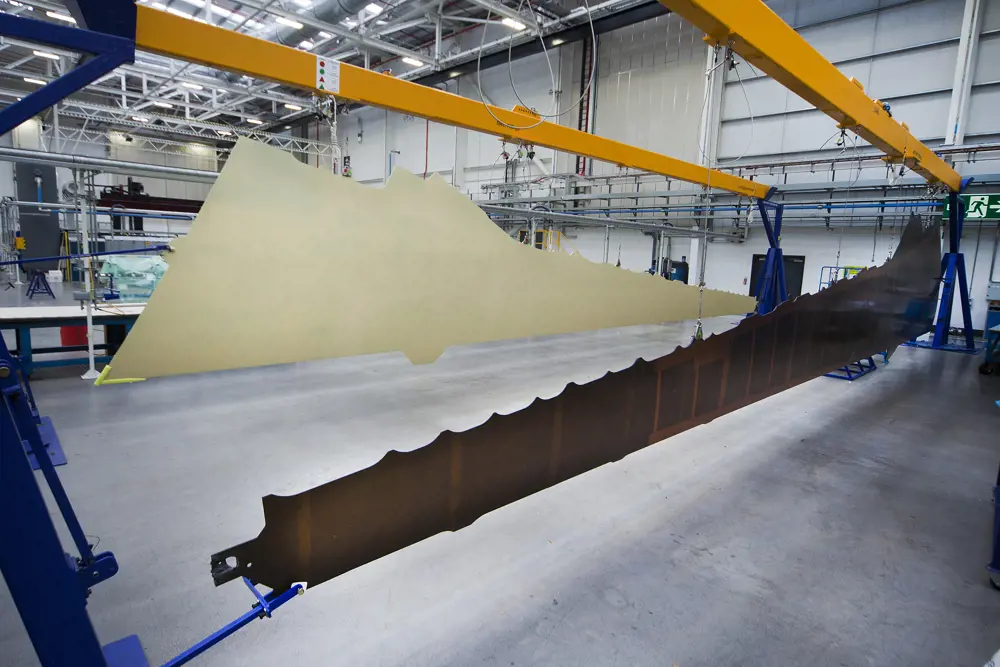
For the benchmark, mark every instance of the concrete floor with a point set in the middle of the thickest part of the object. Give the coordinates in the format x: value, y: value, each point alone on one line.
x: 834, y: 524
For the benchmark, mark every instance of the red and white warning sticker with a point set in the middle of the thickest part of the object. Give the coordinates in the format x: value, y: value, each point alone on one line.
x: 327, y: 74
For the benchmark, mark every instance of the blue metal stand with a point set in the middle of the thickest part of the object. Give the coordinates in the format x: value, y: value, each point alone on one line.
x: 48, y: 586
x: 109, y: 51
x: 46, y: 431
x: 952, y: 274
x: 771, y: 284
x: 853, y: 371
x: 39, y: 285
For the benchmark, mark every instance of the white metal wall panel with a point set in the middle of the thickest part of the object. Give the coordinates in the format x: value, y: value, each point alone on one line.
x: 650, y: 88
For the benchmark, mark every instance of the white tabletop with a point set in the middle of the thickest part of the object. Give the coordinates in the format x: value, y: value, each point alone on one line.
x: 21, y: 313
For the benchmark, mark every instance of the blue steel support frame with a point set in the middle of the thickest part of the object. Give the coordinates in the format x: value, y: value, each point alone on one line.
x: 48, y: 587
x: 108, y: 51
x: 952, y: 273
x: 771, y: 289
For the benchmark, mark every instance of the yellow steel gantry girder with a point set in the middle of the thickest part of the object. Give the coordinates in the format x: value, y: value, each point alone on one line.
x: 193, y: 41
x: 772, y: 46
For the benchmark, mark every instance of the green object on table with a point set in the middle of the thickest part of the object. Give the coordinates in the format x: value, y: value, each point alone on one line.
x: 135, y: 277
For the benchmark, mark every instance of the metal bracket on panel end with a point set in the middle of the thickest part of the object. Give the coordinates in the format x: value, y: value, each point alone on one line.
x: 233, y: 563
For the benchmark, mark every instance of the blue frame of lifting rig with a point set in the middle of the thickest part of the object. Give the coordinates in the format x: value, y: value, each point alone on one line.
x: 108, y: 51
x: 952, y: 272
x: 771, y: 289
x: 49, y: 587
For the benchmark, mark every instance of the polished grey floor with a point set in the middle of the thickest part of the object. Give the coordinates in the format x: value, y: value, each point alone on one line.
x: 834, y: 524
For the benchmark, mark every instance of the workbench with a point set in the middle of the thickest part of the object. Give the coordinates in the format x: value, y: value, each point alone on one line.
x: 117, y: 320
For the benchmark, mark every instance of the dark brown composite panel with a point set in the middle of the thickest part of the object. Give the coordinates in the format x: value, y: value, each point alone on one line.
x: 407, y: 497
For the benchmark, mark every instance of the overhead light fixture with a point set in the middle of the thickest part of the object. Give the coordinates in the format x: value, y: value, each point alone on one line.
x: 452, y: 75
x: 193, y: 86
x: 412, y: 61
x: 224, y: 133
x: 287, y: 127
x: 381, y: 22
x: 293, y: 107
x: 46, y: 54
x: 141, y: 119
x: 557, y: 41
x: 254, y: 121
x: 306, y: 44
x: 348, y: 23
x: 60, y: 17
x: 289, y: 22
x: 325, y: 35
x: 163, y: 105
x: 511, y: 23
x: 373, y: 9
x: 37, y: 81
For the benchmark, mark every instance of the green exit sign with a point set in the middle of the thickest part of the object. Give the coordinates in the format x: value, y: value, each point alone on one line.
x: 979, y: 207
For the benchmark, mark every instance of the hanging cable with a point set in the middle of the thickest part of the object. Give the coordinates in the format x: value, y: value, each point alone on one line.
x: 552, y: 76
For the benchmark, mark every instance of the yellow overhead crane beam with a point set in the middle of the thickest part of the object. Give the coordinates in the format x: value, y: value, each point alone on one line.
x: 771, y: 45
x: 193, y: 41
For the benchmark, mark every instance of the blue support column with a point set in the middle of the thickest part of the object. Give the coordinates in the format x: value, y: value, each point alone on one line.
x: 953, y: 275
x: 49, y: 587
x: 108, y: 51
x: 771, y: 289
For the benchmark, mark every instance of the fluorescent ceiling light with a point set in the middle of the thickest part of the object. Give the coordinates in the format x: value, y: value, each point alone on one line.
x: 192, y: 86
x: 293, y: 107
x: 306, y: 44
x: 289, y: 22
x: 224, y: 133
x: 60, y: 17
x: 511, y: 23
x: 325, y: 35
x: 46, y: 54
x: 452, y: 75
x: 287, y: 127
x: 557, y: 41
x: 254, y: 121
x: 380, y: 22
x: 38, y: 81
x: 163, y: 105
x: 412, y: 61
x: 349, y: 23
x: 373, y: 9
x: 141, y: 119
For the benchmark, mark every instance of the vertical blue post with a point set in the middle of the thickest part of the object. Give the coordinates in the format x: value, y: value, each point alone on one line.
x: 771, y: 289
x: 42, y: 583
x: 953, y: 275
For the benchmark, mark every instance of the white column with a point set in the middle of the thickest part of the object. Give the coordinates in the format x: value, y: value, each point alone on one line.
x: 694, y: 260
x: 965, y: 65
